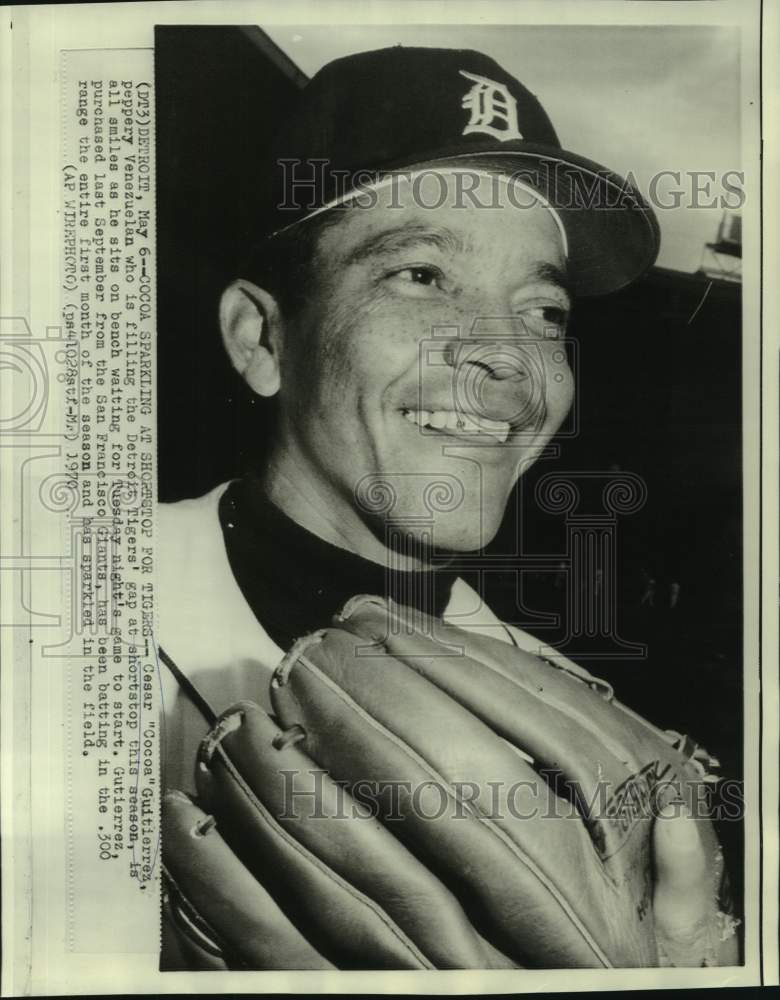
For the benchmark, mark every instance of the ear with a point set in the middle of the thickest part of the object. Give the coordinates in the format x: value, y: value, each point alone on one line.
x: 251, y: 323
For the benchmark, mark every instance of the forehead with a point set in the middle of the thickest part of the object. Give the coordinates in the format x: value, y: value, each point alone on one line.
x: 451, y: 212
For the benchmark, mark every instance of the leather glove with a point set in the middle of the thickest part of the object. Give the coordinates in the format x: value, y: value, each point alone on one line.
x: 427, y: 797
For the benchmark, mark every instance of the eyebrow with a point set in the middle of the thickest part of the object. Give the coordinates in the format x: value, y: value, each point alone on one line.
x: 555, y: 275
x: 394, y: 240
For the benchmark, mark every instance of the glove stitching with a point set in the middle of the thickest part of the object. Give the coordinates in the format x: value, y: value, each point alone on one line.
x: 277, y: 829
x: 288, y: 737
x: 479, y: 815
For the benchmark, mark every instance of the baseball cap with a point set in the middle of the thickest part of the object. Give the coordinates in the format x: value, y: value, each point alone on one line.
x: 366, y: 116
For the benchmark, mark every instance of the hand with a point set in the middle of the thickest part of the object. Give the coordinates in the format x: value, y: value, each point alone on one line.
x: 690, y: 928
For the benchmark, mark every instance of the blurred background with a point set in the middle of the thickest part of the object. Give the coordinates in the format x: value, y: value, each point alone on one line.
x: 658, y: 364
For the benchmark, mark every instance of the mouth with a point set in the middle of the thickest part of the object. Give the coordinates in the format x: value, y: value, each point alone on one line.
x: 459, y: 424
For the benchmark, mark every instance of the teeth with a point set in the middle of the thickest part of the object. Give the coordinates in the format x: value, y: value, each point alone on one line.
x: 420, y: 417
x: 463, y: 423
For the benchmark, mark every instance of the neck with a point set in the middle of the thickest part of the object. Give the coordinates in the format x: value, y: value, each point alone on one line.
x: 315, y: 506
x: 295, y: 581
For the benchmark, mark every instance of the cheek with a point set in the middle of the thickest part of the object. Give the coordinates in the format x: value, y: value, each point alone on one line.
x: 357, y: 347
x: 317, y: 361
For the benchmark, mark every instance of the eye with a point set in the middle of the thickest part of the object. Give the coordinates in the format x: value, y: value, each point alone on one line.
x: 555, y: 314
x: 421, y: 275
x: 418, y: 277
x: 548, y: 320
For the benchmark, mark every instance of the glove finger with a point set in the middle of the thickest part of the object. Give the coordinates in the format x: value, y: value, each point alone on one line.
x: 248, y: 747
x: 222, y: 908
x: 187, y: 944
x: 343, y: 923
x: 500, y: 834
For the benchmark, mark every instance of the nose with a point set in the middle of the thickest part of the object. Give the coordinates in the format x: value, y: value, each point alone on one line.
x: 500, y: 378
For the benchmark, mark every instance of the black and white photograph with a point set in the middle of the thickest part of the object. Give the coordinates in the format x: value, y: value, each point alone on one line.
x: 473, y: 483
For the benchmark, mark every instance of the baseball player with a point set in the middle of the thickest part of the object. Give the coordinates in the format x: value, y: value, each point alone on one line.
x: 406, y: 312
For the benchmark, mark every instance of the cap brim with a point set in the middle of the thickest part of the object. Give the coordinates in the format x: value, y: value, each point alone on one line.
x: 612, y: 232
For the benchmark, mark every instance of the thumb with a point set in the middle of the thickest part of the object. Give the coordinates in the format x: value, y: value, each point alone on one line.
x: 684, y: 900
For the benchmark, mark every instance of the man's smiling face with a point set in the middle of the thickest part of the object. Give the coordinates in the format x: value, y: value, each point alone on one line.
x: 427, y: 352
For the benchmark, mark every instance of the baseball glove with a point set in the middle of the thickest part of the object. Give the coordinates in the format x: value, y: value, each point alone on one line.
x: 428, y: 797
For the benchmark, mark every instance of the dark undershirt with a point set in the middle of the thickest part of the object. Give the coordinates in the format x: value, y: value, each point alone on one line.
x: 295, y: 582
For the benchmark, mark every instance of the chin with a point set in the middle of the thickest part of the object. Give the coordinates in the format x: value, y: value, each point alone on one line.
x: 453, y: 531
x: 464, y: 531
x: 453, y: 507
x: 465, y: 539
